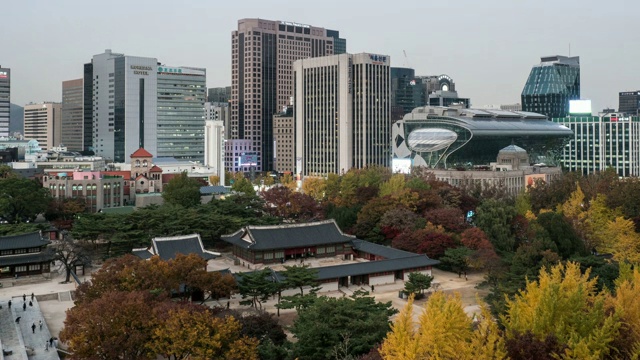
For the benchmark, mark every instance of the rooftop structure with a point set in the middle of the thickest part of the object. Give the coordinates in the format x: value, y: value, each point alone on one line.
x: 551, y: 85
x: 168, y: 248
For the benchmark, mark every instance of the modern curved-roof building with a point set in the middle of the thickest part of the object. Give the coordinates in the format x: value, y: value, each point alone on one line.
x: 442, y: 137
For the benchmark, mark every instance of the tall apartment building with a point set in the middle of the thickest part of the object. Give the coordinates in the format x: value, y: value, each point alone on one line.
x: 600, y: 142
x: 551, y: 85
x: 342, y: 113
x: 263, y: 52
x: 73, y: 115
x: 42, y: 122
x: 87, y: 104
x: 214, y: 155
x: 182, y: 92
x: 138, y: 103
x: 5, y: 101
x: 219, y: 94
x: 629, y: 102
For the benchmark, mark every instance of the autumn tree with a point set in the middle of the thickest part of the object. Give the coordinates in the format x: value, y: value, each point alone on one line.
x: 625, y: 302
x: 214, y: 180
x: 288, y: 181
x: 116, y: 325
x: 314, y: 187
x: 182, y: 190
x: 291, y: 205
x: 623, y: 241
x: 401, y: 343
x: 398, y: 220
x: 191, y: 332
x: 563, y: 302
x: 240, y: 184
x: 452, y: 219
x: 392, y: 186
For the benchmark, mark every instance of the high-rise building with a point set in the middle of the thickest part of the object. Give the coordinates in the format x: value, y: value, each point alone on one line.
x: 629, y: 102
x: 551, y: 85
x: 218, y: 111
x: 138, y: 103
x: 72, y: 115
x: 219, y: 94
x: 439, y: 90
x: 263, y: 52
x: 283, y: 136
x: 5, y: 101
x: 601, y: 142
x: 339, y: 44
x: 342, y: 113
x: 406, y: 93
x: 87, y: 103
x: 181, y: 96
x: 214, y: 155
x: 42, y: 122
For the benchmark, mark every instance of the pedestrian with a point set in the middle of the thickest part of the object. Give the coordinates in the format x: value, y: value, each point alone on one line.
x: 30, y: 303
x: 33, y: 328
x: 24, y: 306
x: 228, y: 305
x: 24, y: 297
x: 9, y: 304
x: 40, y: 323
x: 18, y: 319
x: 51, y: 341
x: 32, y: 296
x: 46, y: 346
x: 373, y: 288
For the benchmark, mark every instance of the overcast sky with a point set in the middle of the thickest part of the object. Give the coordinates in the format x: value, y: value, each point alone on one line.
x: 486, y: 46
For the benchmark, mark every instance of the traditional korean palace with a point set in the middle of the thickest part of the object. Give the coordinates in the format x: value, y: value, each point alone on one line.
x: 167, y: 248
x: 24, y: 254
x: 277, y: 244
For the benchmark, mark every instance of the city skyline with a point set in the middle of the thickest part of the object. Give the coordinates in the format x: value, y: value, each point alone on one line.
x: 491, y: 43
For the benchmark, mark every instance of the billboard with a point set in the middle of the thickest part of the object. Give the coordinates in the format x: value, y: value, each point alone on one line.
x: 531, y: 179
x: 249, y: 160
x: 401, y: 166
x: 580, y: 107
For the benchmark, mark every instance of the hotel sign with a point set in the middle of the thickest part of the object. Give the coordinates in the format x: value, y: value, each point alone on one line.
x: 378, y: 59
x: 3, y: 74
x: 141, y: 70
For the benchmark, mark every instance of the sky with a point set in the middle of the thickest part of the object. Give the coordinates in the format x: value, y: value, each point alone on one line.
x: 487, y: 46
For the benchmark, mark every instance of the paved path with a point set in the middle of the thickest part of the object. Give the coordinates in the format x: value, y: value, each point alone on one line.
x: 20, y: 338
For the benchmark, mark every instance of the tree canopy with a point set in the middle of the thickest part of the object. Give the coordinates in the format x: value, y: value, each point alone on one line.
x: 182, y: 190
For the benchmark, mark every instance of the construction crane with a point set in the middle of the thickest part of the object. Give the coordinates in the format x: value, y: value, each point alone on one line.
x: 406, y: 59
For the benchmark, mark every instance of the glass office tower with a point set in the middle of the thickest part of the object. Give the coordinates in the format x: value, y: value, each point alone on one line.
x: 182, y: 92
x: 551, y: 85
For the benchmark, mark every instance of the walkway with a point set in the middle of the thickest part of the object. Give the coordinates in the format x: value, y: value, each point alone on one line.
x: 20, y: 338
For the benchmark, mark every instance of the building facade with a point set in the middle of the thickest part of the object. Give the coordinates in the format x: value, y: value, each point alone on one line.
x: 218, y: 111
x: 5, y: 101
x: 601, y: 142
x: 629, y: 102
x: 405, y: 92
x: 239, y: 155
x: 42, y: 122
x: 219, y: 94
x: 342, y: 113
x: 283, y: 136
x: 99, y: 191
x: 181, y: 98
x: 73, y: 115
x: 24, y: 254
x: 339, y: 44
x: 438, y: 137
x: 214, y: 148
x: 511, y: 107
x: 551, y: 85
x: 87, y: 112
x: 263, y: 52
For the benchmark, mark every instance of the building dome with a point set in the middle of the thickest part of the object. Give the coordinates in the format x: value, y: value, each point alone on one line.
x: 512, y: 149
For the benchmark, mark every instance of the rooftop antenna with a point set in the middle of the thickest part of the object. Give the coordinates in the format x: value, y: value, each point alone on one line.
x: 406, y: 59
x: 569, y: 49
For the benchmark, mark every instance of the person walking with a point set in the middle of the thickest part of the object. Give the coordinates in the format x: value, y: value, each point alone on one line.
x: 46, y: 346
x: 24, y: 306
x: 33, y: 328
x: 32, y: 296
x: 9, y: 304
x: 30, y: 303
x: 40, y: 324
x: 24, y: 297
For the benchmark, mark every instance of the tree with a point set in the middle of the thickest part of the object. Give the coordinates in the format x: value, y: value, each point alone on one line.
x: 458, y: 260
x: 257, y: 286
x: 70, y: 253
x: 562, y: 234
x: 182, y: 190
x: 625, y: 302
x: 314, y: 187
x: 398, y: 220
x: 326, y: 324
x: 190, y: 332
x: 300, y: 277
x: 21, y: 200
x: 417, y: 284
x: 117, y: 325
x: 214, y: 180
x: 494, y: 218
x: 288, y: 181
x: 527, y: 346
x: 242, y: 185
x: 564, y: 302
x: 291, y: 205
x: 394, y: 185
x: 401, y: 343
x: 452, y: 219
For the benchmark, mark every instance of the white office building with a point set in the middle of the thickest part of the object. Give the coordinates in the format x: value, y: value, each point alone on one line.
x: 43, y: 122
x: 342, y: 113
x: 214, y: 154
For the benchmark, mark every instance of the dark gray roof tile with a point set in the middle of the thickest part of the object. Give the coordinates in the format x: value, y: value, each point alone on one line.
x: 22, y: 241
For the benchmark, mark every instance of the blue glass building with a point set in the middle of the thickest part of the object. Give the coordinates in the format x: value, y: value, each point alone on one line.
x: 551, y: 85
